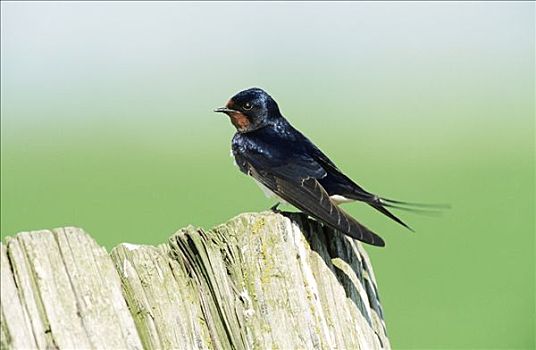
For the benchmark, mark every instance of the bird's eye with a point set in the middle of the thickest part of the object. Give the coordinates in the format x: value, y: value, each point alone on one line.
x: 248, y: 106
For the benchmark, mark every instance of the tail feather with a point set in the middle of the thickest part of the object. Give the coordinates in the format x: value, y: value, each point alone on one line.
x: 387, y: 213
x: 412, y: 204
x: 427, y: 212
x: 381, y: 204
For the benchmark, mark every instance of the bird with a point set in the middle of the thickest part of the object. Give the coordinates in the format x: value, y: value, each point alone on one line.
x: 287, y: 165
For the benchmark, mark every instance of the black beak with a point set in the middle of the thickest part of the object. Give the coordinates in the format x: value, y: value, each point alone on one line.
x: 224, y: 110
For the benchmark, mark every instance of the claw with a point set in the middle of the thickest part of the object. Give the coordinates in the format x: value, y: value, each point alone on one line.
x: 274, y: 207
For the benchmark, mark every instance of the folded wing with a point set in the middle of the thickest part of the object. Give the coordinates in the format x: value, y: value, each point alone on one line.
x: 298, y: 185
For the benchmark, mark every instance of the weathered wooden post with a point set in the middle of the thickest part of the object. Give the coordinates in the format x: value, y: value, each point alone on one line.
x: 258, y: 281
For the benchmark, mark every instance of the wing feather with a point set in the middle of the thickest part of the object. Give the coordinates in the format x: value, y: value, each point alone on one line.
x: 292, y: 174
x: 310, y: 197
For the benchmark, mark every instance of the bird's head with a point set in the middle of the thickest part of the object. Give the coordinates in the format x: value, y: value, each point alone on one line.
x: 251, y: 109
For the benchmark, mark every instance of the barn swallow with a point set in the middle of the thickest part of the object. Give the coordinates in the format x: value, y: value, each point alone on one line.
x: 288, y: 165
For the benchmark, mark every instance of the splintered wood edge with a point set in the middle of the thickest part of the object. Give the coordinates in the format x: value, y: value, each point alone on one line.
x: 73, y: 302
x: 128, y: 276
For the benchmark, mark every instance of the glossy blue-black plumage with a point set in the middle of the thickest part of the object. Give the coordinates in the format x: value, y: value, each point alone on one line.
x: 281, y: 149
x: 288, y: 163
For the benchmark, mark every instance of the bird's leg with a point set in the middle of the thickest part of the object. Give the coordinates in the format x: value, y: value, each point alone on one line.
x: 274, y: 207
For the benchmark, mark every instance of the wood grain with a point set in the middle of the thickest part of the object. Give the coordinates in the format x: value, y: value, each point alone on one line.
x: 261, y: 280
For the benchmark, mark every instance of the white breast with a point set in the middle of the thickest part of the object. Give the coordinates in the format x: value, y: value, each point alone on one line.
x: 268, y: 192
x: 234, y: 159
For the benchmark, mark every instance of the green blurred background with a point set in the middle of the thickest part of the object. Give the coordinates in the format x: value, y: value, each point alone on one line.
x: 107, y: 124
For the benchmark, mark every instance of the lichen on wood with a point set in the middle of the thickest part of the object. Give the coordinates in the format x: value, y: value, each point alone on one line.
x: 261, y: 280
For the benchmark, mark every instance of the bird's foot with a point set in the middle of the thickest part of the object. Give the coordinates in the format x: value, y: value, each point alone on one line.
x: 274, y: 208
